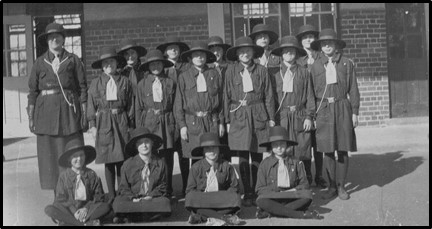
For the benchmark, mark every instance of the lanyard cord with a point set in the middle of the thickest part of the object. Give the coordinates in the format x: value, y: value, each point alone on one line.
x: 241, y: 103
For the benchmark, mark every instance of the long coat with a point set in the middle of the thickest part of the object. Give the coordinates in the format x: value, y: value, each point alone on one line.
x: 134, y: 75
x: 303, y: 99
x: 158, y: 117
x: 302, y: 61
x: 52, y: 115
x: 334, y: 120
x: 248, y: 124
x: 112, y: 129
x: 188, y: 101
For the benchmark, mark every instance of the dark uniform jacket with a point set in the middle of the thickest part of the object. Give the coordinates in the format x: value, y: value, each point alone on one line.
x: 134, y: 75
x: 52, y: 115
x: 131, y: 179
x: 302, y: 61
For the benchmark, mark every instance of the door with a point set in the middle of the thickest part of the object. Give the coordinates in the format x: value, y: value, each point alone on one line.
x: 17, y: 63
x: 407, y: 59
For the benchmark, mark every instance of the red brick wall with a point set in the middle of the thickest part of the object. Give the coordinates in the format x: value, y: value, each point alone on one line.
x: 364, y: 31
x: 148, y: 32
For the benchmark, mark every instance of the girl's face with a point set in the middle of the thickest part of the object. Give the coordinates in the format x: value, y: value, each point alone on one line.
x: 198, y: 58
x: 245, y: 54
x: 328, y: 47
x: 279, y: 148
x: 156, y: 67
x: 211, y: 153
x: 77, y: 159
x: 262, y: 40
x: 307, y: 39
x: 144, y: 146
x: 289, y: 54
x: 172, y: 51
x: 55, y: 41
x: 109, y: 66
x: 218, y: 51
x: 131, y: 57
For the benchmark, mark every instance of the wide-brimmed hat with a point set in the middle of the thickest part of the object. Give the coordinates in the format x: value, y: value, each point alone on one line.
x: 126, y: 44
x: 262, y: 28
x: 51, y: 28
x: 278, y: 133
x: 328, y: 34
x: 106, y: 53
x: 74, y: 146
x: 138, y: 133
x: 198, y: 46
x: 244, y: 42
x: 152, y: 56
x: 289, y: 42
x: 217, y: 41
x: 306, y: 29
x: 172, y: 40
x: 206, y: 140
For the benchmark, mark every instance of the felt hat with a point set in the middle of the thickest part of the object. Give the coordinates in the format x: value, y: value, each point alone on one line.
x: 206, y: 140
x: 127, y: 44
x: 217, y: 41
x: 106, y: 53
x: 154, y: 55
x: 172, y: 40
x: 138, y: 133
x: 289, y: 42
x: 244, y: 42
x: 74, y: 146
x: 51, y: 28
x: 263, y: 28
x: 325, y: 35
x: 278, y: 133
x: 198, y: 46
x: 306, y: 29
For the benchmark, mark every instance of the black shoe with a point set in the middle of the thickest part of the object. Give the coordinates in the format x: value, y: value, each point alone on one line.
x: 342, y: 193
x: 195, y: 219
x: 320, y: 182
x: 231, y: 219
x: 261, y: 214
x: 330, y: 193
x: 312, y: 215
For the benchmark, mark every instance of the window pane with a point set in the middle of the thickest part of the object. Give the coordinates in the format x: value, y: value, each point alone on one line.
x: 14, y: 69
x: 327, y: 21
x: 312, y: 20
x: 273, y: 8
x: 13, y: 42
x: 413, y: 18
x: 22, y: 68
x: 326, y: 6
x: 240, y: 27
x: 16, y: 28
x: 237, y: 9
x: 255, y: 21
x: 396, y: 46
x: 414, y: 46
x: 21, y: 41
x: 296, y: 22
x: 313, y: 7
x: 274, y: 23
x: 23, y: 55
x: 14, y: 56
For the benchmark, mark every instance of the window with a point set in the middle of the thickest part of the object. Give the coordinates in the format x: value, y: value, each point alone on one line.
x: 14, y: 50
x: 320, y: 15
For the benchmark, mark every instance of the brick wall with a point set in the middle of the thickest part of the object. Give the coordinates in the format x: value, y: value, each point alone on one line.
x: 147, y: 32
x: 364, y: 31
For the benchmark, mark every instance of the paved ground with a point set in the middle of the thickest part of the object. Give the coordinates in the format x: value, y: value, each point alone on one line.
x: 388, y: 180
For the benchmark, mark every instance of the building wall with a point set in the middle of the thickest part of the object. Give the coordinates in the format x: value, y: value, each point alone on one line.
x: 364, y: 31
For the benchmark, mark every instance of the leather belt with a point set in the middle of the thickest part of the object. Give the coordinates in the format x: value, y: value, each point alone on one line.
x: 113, y: 111
x: 290, y: 108
x: 246, y: 102
x: 50, y: 92
x: 198, y: 113
x: 331, y: 99
x: 158, y: 111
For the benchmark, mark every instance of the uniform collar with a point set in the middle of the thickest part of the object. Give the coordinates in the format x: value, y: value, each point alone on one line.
x: 336, y: 57
x: 217, y: 165
x: 116, y: 76
x: 195, y: 70
x: 63, y: 55
x: 152, y: 77
x: 72, y: 175
x: 274, y: 160
x: 239, y: 67
x: 153, y: 161
x: 292, y: 68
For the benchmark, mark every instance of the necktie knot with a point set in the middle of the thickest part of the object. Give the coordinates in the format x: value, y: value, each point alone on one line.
x: 247, y: 81
x: 80, y: 190
x: 157, y: 90
x: 201, y: 82
x: 283, y: 179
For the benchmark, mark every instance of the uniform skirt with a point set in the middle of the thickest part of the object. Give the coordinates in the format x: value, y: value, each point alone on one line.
x: 293, y: 122
x: 123, y: 204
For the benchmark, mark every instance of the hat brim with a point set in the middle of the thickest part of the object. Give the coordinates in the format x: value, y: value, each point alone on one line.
x: 145, y: 66
x: 139, y: 49
x: 198, y: 151
x: 183, y: 46
x: 278, y: 51
x: 272, y: 36
x: 225, y: 47
x: 210, y: 57
x: 268, y: 144
x: 42, y: 39
x: 90, y: 153
x: 316, y: 45
x: 232, y: 52
x: 300, y: 35
x: 121, y: 62
x: 130, y: 148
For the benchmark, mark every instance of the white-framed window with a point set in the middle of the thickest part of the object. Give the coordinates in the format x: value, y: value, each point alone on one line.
x: 14, y: 50
x: 320, y: 15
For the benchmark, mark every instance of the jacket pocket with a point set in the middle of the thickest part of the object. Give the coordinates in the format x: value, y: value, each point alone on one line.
x: 193, y: 125
x: 260, y: 119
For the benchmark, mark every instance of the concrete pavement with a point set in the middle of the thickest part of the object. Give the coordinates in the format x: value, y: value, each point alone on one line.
x: 388, y: 180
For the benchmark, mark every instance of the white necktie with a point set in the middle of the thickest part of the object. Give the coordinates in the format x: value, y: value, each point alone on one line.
x: 111, y: 90
x: 330, y: 73
x: 212, y: 183
x: 310, y: 60
x: 201, y: 83
x: 145, y: 180
x: 55, y: 64
x: 80, y: 190
x: 157, y: 90
x: 288, y: 81
x: 283, y: 176
x: 263, y: 60
x: 247, y: 81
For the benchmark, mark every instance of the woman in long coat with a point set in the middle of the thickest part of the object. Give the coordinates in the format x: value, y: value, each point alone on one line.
x: 154, y: 106
x: 248, y: 108
x: 111, y: 113
x: 334, y: 80
x: 56, y: 103
x: 296, y: 101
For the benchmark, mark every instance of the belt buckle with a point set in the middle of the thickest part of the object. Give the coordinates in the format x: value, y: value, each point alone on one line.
x: 156, y: 112
x: 331, y: 99
x: 243, y: 103
x: 292, y: 108
x: 114, y: 111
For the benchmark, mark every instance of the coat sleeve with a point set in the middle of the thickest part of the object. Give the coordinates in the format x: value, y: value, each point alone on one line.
x: 302, y: 180
x: 310, y: 99
x: 220, y: 110
x: 81, y: 77
x: 130, y: 107
x: 268, y: 95
x: 62, y: 195
x: 261, y: 183
x: 192, y: 183
x: 234, y: 184
x: 141, y: 111
x: 125, y: 187
x: 227, y: 93
x: 96, y: 189
x: 160, y: 188
x: 178, y: 103
x: 92, y: 104
x: 33, y: 84
x: 353, y: 90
